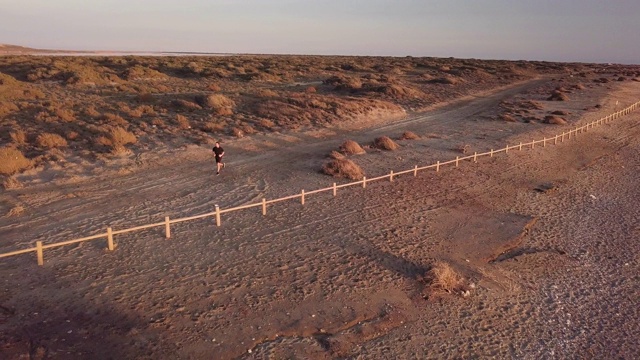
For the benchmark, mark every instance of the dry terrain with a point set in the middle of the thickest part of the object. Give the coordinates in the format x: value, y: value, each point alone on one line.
x: 531, y: 254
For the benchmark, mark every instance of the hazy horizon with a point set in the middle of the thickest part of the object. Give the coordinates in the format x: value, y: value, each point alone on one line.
x: 567, y: 30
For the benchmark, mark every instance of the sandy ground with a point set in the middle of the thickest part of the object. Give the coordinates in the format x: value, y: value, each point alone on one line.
x: 342, y: 277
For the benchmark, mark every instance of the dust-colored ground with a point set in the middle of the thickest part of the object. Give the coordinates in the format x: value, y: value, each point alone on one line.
x: 546, y: 240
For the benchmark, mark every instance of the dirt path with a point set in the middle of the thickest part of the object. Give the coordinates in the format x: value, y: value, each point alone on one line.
x: 340, y: 277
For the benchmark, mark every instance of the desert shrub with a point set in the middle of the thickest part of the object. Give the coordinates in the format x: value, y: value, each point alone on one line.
x: 183, y: 122
x: 92, y: 112
x: 185, y: 105
x: 446, y: 80
x: 71, y: 135
x: 237, y: 132
x: 13, y: 161
x: 343, y: 168
x: 310, y: 90
x: 213, y: 126
x: 214, y: 87
x: 556, y: 120
x: 220, y: 104
x: 384, y: 143
x: 114, y: 119
x: 7, y: 107
x: 120, y: 136
x: 560, y: 112
x: 507, y: 118
x: 19, y: 137
x: 463, y: 148
x: 409, y: 135
x: 557, y: 95
x: 266, y: 93
x: 11, y: 183
x: 351, y: 147
x: 266, y: 124
x: 65, y: 115
x: 443, y: 279
x: 336, y: 155
x: 50, y: 141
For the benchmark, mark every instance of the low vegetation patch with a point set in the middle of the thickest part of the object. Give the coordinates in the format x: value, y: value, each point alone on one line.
x: 13, y: 161
x: 409, y: 135
x: 343, y: 168
x: 351, y: 147
x: 443, y: 279
x: 384, y: 143
x: 555, y: 120
x: 50, y: 141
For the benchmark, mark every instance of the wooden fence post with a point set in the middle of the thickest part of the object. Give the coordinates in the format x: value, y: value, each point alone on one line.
x: 491, y: 153
x: 438, y: 166
x: 415, y: 171
x: 40, y: 253
x: 335, y: 189
x: 264, y: 205
x: 520, y: 147
x: 533, y: 143
x: 167, y: 227
x: 544, y: 142
x: 555, y: 140
x: 475, y: 157
x: 391, y: 176
x: 110, y: 239
x: 506, y: 149
x: 218, y: 222
x: 302, y: 197
x: 457, y: 160
x: 364, y: 182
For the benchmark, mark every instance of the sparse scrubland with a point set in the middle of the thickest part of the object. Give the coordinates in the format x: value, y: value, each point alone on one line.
x: 99, y: 106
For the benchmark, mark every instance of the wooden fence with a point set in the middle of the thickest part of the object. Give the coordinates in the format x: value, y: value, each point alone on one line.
x: 110, y: 233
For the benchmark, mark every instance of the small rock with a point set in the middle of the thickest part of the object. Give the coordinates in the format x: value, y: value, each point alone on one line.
x: 593, y: 196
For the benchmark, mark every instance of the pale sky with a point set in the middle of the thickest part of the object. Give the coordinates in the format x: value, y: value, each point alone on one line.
x: 553, y: 30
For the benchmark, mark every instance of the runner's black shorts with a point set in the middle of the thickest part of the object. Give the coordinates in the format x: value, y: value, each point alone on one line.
x: 218, y: 159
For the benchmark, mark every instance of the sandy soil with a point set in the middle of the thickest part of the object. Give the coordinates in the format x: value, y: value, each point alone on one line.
x: 546, y: 238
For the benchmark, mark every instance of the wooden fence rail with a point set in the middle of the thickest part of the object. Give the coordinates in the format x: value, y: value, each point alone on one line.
x: 109, y: 234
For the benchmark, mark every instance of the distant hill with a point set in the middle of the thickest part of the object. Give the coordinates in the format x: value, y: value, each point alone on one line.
x: 8, y: 49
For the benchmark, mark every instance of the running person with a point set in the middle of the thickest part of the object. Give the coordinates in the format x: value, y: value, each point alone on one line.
x: 218, y: 151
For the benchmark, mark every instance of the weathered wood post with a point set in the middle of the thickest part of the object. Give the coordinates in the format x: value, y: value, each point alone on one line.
x: 475, y: 157
x: 302, y: 197
x: 364, y: 182
x: 218, y: 215
x: 167, y: 227
x: 335, y: 189
x: 491, y: 153
x: 520, y: 147
x: 40, y: 253
x: 438, y: 166
x: 110, y: 239
x: 457, y: 160
x: 264, y: 206
x: 415, y: 171
x: 391, y: 176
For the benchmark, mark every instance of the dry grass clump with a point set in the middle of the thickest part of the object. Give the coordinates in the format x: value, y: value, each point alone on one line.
x: 384, y: 143
x: 557, y: 95
x: 13, y: 161
x: 183, y: 122
x: 343, y: 168
x: 443, y: 278
x: 409, y: 135
x: 507, y: 118
x: 351, y: 147
x: 555, y: 120
x: 560, y: 112
x: 336, y: 155
x: 19, y: 137
x: 463, y: 148
x: 11, y: 183
x: 50, y: 141
x: 185, y: 105
x: 220, y: 104
x: 121, y: 136
x: 16, y: 210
